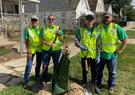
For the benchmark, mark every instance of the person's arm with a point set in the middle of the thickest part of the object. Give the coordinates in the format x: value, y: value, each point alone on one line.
x: 122, y: 47
x: 122, y: 36
x: 26, y: 41
x: 98, y: 46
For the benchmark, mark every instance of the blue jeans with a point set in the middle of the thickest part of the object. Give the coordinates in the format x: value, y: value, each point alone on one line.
x: 111, y: 66
x: 46, y: 60
x: 93, y: 67
x: 29, y: 66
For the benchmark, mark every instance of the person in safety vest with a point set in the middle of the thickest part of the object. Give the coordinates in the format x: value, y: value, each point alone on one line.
x: 86, y: 40
x: 110, y: 34
x: 33, y: 46
x: 51, y: 45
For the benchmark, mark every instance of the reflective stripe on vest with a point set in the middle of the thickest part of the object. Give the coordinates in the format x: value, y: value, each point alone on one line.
x: 34, y: 41
x: 109, y: 38
x: 49, y: 36
x: 89, y: 42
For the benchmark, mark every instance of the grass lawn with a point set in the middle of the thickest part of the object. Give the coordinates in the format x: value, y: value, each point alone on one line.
x: 125, y: 84
x: 4, y: 51
x: 131, y: 33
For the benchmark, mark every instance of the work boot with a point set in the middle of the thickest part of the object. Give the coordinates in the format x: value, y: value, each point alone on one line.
x: 111, y: 91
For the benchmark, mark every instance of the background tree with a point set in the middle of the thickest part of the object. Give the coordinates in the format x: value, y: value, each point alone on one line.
x: 117, y: 5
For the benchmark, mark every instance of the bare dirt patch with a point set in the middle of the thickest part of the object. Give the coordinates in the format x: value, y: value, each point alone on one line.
x: 8, y: 53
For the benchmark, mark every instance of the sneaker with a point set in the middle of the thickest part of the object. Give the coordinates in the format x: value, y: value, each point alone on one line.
x: 111, y: 91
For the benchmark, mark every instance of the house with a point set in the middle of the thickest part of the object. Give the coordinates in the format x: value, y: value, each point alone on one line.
x: 97, y: 6
x: 10, y: 13
x: 108, y: 8
x: 12, y: 6
x: 63, y: 10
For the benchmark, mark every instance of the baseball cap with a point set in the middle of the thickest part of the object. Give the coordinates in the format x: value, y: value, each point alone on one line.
x: 89, y: 17
x: 34, y: 17
x: 107, y: 15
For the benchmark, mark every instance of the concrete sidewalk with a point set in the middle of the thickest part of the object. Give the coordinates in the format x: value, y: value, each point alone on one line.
x: 12, y: 72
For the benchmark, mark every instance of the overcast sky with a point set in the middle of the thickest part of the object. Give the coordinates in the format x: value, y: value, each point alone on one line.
x: 133, y: 1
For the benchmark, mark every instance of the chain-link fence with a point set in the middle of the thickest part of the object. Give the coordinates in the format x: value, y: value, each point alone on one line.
x: 10, y: 25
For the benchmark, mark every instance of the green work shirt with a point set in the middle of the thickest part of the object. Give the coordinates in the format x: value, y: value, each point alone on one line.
x: 121, y: 36
x: 26, y: 34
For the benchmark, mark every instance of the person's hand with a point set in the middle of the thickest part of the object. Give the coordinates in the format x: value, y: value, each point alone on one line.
x: 29, y: 55
x: 98, y: 58
x: 44, y: 42
x: 119, y: 51
x: 58, y: 33
x: 52, y: 45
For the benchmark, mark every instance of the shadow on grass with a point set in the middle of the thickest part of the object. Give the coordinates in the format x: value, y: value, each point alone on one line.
x: 76, y: 80
x: 38, y: 85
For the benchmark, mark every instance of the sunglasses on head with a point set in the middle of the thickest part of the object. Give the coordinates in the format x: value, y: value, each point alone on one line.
x: 33, y: 20
x: 50, y: 18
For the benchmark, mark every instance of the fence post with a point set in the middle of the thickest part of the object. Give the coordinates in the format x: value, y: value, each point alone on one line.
x: 21, y: 27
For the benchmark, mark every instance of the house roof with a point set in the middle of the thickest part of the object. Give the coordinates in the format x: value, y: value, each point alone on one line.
x: 106, y: 1
x: 92, y: 4
x: 107, y: 6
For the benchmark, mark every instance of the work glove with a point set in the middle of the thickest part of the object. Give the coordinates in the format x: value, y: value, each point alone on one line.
x: 98, y: 58
x: 82, y: 47
x: 79, y: 45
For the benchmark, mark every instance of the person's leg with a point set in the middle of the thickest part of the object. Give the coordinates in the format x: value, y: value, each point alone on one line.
x: 38, y: 65
x: 84, y: 72
x: 28, y: 69
x: 111, y: 66
x: 56, y: 57
x: 100, y: 68
x: 93, y: 67
x: 46, y: 61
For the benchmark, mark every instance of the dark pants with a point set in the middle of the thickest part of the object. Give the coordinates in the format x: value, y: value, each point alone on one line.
x: 29, y: 66
x: 93, y: 66
x: 111, y: 66
x: 46, y: 60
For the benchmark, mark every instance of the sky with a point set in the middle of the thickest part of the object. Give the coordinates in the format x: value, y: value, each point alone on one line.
x: 133, y: 1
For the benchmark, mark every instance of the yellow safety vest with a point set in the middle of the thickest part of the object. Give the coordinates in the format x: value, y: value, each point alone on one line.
x: 109, y: 38
x: 89, y: 43
x: 49, y: 36
x: 34, y: 40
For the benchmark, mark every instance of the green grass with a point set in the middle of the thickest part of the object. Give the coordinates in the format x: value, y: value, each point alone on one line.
x: 4, y: 51
x: 131, y: 33
x: 125, y: 84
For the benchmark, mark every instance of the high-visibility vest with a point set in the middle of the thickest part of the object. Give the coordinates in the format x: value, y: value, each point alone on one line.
x: 89, y: 42
x: 109, y: 38
x: 34, y: 40
x: 49, y: 36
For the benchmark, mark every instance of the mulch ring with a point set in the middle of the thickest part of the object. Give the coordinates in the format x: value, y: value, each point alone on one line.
x: 75, y: 89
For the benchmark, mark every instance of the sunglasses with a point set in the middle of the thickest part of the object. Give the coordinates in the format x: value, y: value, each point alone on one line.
x: 50, y: 19
x: 34, y: 20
